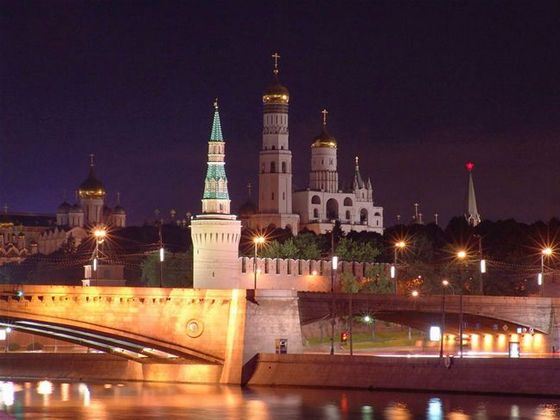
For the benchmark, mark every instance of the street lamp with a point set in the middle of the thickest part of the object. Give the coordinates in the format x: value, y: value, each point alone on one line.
x: 415, y: 293
x: 334, y: 268
x: 546, y: 252
x: 99, y: 234
x: 399, y: 246
x: 462, y: 257
x: 258, y: 240
x: 444, y: 284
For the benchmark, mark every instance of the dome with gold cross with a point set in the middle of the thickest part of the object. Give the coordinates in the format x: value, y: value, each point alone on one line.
x: 91, y: 187
x: 276, y: 93
x: 324, y: 139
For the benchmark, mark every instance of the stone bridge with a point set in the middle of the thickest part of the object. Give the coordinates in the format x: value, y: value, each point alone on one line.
x: 489, y: 314
x: 214, y: 333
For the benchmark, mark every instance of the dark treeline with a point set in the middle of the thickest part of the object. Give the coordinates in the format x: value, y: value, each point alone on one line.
x: 512, y: 251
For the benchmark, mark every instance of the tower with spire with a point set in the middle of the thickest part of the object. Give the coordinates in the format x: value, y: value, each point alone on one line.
x: 275, y: 160
x: 215, y: 232
x: 471, y: 214
x: 216, y: 198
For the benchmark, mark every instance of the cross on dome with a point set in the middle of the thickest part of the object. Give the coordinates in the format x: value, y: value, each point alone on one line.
x: 276, y: 57
x: 91, y: 159
x: 216, y: 104
x: 325, y: 113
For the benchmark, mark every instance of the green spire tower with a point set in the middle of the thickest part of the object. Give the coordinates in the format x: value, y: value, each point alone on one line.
x: 216, y: 198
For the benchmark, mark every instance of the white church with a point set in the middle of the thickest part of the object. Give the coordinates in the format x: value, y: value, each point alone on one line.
x: 323, y: 203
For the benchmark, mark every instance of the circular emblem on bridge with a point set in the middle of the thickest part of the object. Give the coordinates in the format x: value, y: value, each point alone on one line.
x: 194, y: 328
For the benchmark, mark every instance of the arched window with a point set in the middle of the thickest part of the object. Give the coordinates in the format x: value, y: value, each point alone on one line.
x: 272, y: 196
x: 315, y: 199
x: 363, y: 217
x: 332, y: 209
x: 284, y: 167
x: 272, y: 167
x: 377, y: 214
x: 347, y: 214
x: 273, y: 147
x: 348, y: 201
x: 315, y: 213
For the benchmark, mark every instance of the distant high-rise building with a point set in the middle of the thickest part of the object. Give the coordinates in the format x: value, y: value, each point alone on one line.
x: 471, y: 214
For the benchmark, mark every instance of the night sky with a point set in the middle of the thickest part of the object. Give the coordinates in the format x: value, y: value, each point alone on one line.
x: 415, y: 89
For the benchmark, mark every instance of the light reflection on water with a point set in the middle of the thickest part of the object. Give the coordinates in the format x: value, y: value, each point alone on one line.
x: 46, y: 399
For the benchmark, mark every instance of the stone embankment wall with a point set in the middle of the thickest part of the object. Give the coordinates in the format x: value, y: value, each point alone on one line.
x: 101, y: 367
x: 505, y: 376
x: 302, y: 275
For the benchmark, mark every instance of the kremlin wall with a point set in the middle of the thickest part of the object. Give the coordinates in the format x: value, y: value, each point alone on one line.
x: 302, y: 275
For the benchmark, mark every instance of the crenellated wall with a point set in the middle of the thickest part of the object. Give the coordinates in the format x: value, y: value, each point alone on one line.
x: 301, y: 275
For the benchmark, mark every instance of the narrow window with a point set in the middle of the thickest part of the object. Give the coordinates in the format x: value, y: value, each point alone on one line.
x: 284, y: 167
x: 272, y: 167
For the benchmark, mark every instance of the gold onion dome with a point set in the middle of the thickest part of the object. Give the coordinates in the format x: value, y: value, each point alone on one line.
x: 91, y: 187
x: 276, y: 93
x: 324, y: 139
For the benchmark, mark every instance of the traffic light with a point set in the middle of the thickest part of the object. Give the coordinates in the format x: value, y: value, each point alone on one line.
x: 344, y: 337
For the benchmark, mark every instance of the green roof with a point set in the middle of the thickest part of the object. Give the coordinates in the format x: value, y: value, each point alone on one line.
x: 216, y: 134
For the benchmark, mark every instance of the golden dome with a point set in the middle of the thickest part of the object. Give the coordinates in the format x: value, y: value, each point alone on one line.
x: 276, y: 93
x: 91, y: 187
x: 324, y: 140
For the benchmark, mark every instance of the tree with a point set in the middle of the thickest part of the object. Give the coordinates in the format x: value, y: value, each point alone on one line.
x: 308, y: 246
x: 177, y: 270
x: 349, y: 283
x: 350, y: 250
x: 377, y: 280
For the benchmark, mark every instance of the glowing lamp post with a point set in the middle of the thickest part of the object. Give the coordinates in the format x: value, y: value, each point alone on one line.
x: 399, y: 246
x: 461, y: 257
x: 334, y: 267
x: 546, y: 252
x: 444, y: 284
x: 99, y: 234
x: 259, y: 240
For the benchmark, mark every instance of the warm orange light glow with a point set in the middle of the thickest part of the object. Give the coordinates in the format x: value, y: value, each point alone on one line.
x: 445, y: 283
x: 100, y: 233
x: 462, y: 254
x: 259, y: 240
x: 314, y: 273
x: 400, y: 244
x: 547, y: 251
x: 415, y: 293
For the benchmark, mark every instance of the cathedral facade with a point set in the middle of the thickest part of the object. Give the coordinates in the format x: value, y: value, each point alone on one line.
x: 323, y: 202
x: 25, y: 234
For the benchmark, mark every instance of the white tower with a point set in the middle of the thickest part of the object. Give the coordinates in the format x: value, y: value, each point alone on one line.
x: 275, y: 160
x: 324, y: 175
x: 216, y: 233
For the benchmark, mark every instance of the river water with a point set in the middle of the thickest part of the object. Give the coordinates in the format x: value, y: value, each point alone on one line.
x: 57, y: 400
